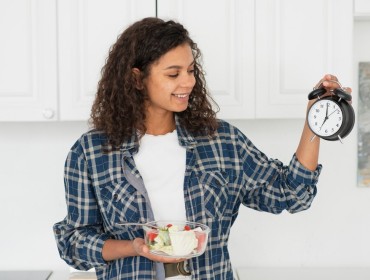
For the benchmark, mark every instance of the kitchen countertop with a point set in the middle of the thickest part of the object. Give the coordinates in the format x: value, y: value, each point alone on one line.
x: 334, y: 273
x: 25, y: 275
x: 68, y: 275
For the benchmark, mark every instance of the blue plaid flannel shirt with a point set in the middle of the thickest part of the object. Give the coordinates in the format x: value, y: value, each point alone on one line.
x: 221, y: 174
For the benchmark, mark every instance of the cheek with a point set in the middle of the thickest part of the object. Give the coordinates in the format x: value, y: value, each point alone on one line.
x: 160, y: 90
x: 166, y: 86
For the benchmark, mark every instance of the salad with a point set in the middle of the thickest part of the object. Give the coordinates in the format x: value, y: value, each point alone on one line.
x: 176, y: 240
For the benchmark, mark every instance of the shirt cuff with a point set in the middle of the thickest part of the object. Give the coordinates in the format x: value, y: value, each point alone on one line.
x: 302, y: 175
x: 92, y: 250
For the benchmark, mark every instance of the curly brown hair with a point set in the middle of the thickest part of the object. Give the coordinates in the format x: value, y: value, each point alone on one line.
x: 119, y: 106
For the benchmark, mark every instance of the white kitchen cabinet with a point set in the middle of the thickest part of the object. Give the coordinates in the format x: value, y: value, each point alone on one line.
x: 297, y: 41
x: 28, y: 51
x: 362, y: 9
x: 52, y: 52
x: 86, y: 30
x: 261, y: 58
x: 224, y: 32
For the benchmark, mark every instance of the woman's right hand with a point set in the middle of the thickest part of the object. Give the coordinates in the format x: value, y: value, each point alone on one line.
x: 142, y: 249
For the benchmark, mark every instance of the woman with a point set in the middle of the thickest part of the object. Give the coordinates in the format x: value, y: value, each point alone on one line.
x: 157, y: 151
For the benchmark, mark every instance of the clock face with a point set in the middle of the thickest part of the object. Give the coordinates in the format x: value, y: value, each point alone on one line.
x: 325, y: 117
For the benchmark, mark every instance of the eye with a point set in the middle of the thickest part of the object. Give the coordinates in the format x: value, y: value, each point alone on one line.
x: 191, y: 71
x: 173, y: 75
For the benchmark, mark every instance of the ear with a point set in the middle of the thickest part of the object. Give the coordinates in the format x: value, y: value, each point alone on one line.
x: 136, y: 74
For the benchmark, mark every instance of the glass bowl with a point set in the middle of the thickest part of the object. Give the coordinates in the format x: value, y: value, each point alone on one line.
x: 176, y: 239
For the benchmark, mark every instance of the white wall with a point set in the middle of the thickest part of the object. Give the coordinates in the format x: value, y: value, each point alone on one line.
x: 31, y: 191
x: 334, y: 232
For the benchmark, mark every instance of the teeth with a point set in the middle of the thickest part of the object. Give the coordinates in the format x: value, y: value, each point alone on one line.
x: 181, y: 95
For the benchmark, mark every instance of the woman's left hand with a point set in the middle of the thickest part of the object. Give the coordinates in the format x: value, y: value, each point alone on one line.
x: 330, y: 83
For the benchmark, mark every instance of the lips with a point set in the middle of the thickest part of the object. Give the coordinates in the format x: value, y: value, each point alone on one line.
x: 183, y: 95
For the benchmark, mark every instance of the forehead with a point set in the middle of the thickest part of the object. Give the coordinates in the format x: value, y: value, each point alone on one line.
x: 179, y: 56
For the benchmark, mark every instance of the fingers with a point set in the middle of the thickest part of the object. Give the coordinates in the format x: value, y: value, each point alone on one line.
x: 329, y: 77
x: 331, y: 82
x: 326, y: 81
x: 140, y: 246
x: 143, y: 250
x: 162, y: 259
x: 347, y: 89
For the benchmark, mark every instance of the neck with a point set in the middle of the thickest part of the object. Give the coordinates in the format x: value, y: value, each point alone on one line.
x: 160, y: 125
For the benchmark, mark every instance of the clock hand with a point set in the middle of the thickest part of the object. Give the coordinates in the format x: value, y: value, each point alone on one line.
x: 326, y: 116
x: 333, y: 112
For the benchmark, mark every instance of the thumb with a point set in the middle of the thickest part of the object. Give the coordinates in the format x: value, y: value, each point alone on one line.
x: 140, y: 245
x: 145, y: 248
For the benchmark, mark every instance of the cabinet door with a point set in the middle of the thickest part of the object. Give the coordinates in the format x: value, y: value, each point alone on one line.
x: 86, y: 30
x: 297, y: 42
x: 224, y: 31
x: 362, y: 9
x: 28, y: 86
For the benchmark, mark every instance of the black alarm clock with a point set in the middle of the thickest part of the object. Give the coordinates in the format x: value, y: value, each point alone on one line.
x: 331, y: 117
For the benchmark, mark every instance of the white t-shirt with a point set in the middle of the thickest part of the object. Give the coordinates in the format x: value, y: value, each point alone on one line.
x: 161, y: 162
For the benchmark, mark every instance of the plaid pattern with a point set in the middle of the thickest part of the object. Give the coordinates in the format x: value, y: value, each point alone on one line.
x: 221, y: 174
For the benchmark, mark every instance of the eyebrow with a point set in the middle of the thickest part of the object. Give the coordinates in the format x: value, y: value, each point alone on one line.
x: 178, y: 66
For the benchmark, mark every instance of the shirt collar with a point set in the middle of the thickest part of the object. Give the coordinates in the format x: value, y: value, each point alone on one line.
x: 131, y: 145
x: 185, y: 138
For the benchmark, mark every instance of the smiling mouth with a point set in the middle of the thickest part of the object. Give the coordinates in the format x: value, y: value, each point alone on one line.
x: 181, y: 95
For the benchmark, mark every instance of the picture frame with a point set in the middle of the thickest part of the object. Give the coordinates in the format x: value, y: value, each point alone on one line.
x: 363, y: 143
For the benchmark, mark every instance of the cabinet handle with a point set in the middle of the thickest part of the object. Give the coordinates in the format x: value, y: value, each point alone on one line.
x: 48, y: 113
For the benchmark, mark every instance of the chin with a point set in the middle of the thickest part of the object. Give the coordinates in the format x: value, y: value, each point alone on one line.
x: 180, y: 111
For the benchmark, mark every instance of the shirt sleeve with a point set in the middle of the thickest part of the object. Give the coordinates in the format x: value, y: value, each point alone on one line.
x: 273, y: 187
x: 80, y: 236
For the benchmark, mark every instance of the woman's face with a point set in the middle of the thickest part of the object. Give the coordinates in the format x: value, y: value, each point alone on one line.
x: 170, y: 81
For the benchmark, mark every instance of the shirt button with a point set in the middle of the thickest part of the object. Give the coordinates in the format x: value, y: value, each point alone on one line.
x: 115, y: 196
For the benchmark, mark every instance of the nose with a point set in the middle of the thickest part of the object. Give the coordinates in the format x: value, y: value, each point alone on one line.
x: 188, y: 80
